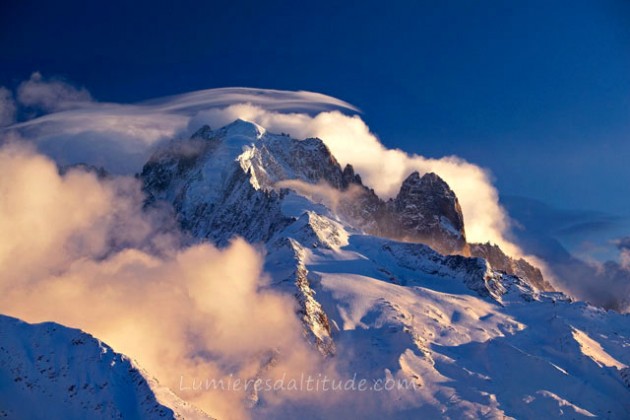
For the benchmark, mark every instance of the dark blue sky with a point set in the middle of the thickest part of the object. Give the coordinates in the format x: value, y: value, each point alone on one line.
x: 537, y: 91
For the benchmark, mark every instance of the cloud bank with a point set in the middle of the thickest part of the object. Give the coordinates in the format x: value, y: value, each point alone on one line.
x: 79, y: 250
x: 541, y: 230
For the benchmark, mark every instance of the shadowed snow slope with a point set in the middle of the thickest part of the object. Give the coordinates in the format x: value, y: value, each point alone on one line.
x: 54, y: 372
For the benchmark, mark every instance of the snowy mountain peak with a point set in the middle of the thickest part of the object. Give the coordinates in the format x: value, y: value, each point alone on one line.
x: 243, y: 128
x: 204, y: 132
x: 233, y: 181
x: 204, y: 182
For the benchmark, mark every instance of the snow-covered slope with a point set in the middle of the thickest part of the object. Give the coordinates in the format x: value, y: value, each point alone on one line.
x: 48, y: 371
x: 476, y: 343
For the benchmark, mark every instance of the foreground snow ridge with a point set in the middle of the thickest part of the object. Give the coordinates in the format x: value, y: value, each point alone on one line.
x: 54, y: 372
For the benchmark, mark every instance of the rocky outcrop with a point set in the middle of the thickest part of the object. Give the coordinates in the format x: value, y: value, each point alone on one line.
x: 475, y: 273
x: 288, y: 255
x: 426, y: 210
x: 498, y: 260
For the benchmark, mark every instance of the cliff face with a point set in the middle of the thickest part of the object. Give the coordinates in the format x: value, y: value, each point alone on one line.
x: 426, y: 210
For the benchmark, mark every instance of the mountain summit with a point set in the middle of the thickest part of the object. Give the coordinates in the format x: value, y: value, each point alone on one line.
x: 231, y: 182
x: 387, y: 290
x: 480, y: 333
x: 426, y: 210
x: 203, y: 176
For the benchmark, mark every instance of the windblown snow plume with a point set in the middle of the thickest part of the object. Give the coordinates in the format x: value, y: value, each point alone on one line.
x: 79, y: 250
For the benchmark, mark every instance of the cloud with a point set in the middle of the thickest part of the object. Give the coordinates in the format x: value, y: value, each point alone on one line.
x: 7, y: 107
x: 269, y: 99
x: 322, y: 193
x: 542, y: 231
x: 51, y: 95
x: 602, y: 284
x: 623, y: 244
x: 79, y: 250
x: 121, y: 138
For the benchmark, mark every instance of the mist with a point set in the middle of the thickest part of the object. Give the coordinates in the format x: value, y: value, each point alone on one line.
x: 79, y: 250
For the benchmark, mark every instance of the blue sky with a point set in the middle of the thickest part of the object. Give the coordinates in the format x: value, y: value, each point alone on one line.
x: 536, y: 91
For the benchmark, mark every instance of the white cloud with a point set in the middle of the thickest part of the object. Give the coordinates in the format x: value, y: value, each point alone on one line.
x: 7, y: 107
x: 80, y: 251
x: 120, y: 137
x: 51, y: 95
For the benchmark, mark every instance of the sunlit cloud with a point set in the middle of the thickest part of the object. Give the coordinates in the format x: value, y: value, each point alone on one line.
x: 80, y: 250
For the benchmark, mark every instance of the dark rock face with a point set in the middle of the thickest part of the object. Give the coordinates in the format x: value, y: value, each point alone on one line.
x: 426, y: 210
x: 348, y: 177
x: 498, y: 260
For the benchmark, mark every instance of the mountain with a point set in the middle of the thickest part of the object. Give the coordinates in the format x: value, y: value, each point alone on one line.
x: 214, y: 176
x: 388, y: 291
x: 54, y: 372
x: 388, y: 288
